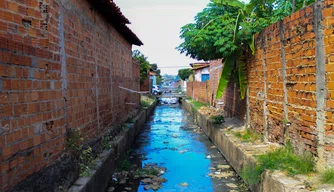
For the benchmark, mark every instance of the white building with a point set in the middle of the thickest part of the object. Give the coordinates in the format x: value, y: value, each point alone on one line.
x: 201, y: 71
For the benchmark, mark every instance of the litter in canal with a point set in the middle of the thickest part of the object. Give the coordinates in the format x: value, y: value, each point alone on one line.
x: 173, y: 154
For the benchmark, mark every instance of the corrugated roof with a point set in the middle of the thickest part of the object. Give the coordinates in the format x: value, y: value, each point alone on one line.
x: 111, y: 12
x: 199, y: 65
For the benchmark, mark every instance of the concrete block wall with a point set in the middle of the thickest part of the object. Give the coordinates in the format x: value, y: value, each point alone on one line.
x: 61, y: 64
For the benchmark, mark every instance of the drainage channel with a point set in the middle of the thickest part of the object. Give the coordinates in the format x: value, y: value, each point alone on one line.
x: 173, y: 154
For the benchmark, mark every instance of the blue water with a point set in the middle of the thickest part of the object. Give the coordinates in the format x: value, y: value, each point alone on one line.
x: 169, y: 140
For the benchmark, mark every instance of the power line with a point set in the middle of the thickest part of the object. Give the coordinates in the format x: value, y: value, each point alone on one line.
x: 174, y: 67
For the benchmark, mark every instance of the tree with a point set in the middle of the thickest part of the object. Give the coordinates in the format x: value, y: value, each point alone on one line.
x: 184, y: 73
x: 144, y: 64
x: 224, y: 28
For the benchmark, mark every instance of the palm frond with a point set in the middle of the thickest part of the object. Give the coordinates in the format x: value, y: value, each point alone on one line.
x: 242, y: 75
x: 225, y: 76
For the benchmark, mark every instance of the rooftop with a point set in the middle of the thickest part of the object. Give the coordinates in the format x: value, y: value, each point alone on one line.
x: 199, y: 65
x: 112, y: 13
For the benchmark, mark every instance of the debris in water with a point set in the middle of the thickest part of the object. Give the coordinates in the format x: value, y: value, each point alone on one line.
x: 231, y: 185
x: 223, y: 166
x: 183, y: 151
x: 220, y: 175
x: 184, y: 184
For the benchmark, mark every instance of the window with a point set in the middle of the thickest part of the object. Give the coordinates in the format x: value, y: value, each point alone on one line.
x: 205, y: 77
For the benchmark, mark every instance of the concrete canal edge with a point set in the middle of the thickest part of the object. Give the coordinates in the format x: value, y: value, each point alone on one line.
x: 108, y: 160
x: 239, y: 154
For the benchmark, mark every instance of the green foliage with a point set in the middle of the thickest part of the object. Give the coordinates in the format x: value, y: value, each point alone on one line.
x: 74, y: 140
x: 225, y: 76
x: 211, y: 36
x: 327, y: 176
x: 184, y: 73
x: 197, y: 105
x: 144, y: 64
x: 224, y: 28
x: 75, y: 144
x: 106, y: 140
x: 86, y: 162
x: 280, y: 159
x: 124, y: 165
x: 219, y: 119
x: 145, y: 101
x: 248, y: 136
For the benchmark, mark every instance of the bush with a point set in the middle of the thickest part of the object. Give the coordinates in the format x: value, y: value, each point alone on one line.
x: 219, y: 119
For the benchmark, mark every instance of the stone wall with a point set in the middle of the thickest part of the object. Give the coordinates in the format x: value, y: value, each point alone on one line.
x: 61, y: 65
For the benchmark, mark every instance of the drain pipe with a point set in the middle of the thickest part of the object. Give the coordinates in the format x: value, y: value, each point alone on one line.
x: 285, y: 129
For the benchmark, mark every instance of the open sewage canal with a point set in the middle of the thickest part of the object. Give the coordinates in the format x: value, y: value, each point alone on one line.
x: 173, y: 154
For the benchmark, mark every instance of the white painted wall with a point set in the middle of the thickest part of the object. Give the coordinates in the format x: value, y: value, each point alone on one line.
x: 198, y: 73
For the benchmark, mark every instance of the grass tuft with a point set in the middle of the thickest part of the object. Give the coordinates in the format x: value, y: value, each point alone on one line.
x: 198, y: 105
x: 248, y: 136
x: 146, y: 101
x: 280, y: 159
x: 327, y: 176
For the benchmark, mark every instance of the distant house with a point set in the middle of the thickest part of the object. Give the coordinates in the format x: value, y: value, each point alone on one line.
x: 153, y: 77
x: 201, y: 71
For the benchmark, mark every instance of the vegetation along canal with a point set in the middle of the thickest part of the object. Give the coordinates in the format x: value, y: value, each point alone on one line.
x: 173, y: 154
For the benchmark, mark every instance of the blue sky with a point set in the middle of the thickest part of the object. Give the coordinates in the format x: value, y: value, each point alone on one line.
x: 157, y: 23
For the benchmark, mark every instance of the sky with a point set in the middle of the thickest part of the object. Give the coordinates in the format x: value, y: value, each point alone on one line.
x: 157, y: 23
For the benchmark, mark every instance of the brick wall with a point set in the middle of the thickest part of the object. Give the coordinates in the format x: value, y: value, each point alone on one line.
x: 287, y: 82
x: 60, y: 67
x: 145, y: 85
x: 290, y: 79
x: 200, y: 91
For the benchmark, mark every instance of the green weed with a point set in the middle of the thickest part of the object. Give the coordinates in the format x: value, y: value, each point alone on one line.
x: 106, y: 140
x: 86, y: 162
x: 248, y: 136
x: 219, y: 119
x: 124, y: 165
x: 328, y: 176
x: 146, y: 101
x: 280, y: 159
x: 197, y: 105
x: 74, y: 140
